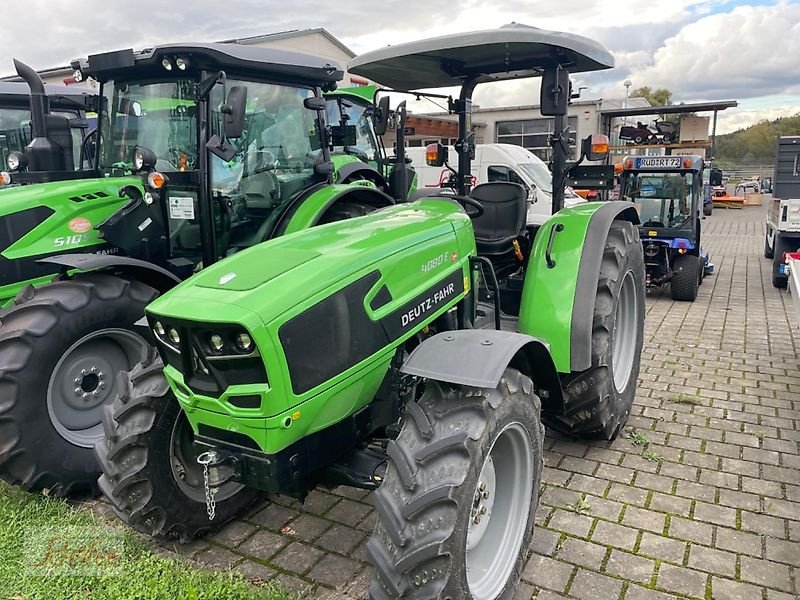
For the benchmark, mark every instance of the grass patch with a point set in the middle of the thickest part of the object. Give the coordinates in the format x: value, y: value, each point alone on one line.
x: 687, y: 399
x: 137, y: 573
x: 651, y: 456
x: 581, y: 506
x: 638, y: 439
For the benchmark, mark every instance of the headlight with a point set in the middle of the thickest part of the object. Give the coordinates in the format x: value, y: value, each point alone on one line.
x: 174, y: 336
x: 216, y: 343
x: 142, y: 158
x: 244, y: 342
x: 15, y: 161
x: 159, y: 329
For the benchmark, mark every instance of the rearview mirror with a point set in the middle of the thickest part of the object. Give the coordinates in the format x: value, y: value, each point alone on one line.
x: 594, y: 147
x: 381, y: 123
x: 315, y: 103
x: 555, y: 92
x: 715, y: 179
x: 234, y: 112
x: 435, y: 155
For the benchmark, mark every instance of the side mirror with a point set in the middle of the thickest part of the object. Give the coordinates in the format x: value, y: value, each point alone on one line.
x: 315, y: 103
x: 555, y: 92
x: 343, y: 135
x: 594, y: 147
x: 715, y: 179
x: 381, y: 123
x: 234, y: 112
x: 435, y: 155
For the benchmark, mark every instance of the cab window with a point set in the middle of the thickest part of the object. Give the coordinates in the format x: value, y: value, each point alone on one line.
x: 500, y: 173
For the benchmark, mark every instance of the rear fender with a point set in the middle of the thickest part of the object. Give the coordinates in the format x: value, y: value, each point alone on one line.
x: 310, y: 211
x: 478, y: 358
x: 558, y: 296
x: 148, y: 273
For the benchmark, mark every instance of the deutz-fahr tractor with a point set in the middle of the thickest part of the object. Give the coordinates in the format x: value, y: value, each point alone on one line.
x: 668, y: 194
x: 203, y: 150
x: 68, y: 107
x: 413, y: 351
x: 364, y: 156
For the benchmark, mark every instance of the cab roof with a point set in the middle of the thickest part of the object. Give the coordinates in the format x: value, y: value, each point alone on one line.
x: 14, y: 93
x: 267, y: 62
x: 513, y: 51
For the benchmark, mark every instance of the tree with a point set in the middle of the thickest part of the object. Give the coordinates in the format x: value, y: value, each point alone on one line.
x: 659, y: 97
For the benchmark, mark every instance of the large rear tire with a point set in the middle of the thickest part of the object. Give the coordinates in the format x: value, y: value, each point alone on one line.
x: 768, y: 250
x: 708, y: 209
x: 150, y: 470
x: 456, y: 510
x: 598, y: 401
x: 61, y: 348
x: 685, y: 277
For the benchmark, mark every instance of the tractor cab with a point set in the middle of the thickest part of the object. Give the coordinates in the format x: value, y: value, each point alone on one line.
x: 668, y: 193
x: 69, y: 106
x: 225, y: 138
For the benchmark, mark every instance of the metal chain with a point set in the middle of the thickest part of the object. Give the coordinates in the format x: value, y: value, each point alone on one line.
x: 211, y: 503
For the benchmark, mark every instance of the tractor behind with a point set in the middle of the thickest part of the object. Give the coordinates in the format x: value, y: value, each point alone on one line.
x: 201, y: 151
x: 413, y: 351
x: 668, y: 193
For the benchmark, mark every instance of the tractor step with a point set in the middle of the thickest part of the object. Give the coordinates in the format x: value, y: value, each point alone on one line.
x: 363, y: 468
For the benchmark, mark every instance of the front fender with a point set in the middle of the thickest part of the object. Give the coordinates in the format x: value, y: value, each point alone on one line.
x: 558, y: 297
x: 478, y: 358
x: 153, y: 275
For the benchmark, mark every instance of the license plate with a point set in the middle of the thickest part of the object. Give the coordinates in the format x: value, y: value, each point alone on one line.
x: 659, y: 162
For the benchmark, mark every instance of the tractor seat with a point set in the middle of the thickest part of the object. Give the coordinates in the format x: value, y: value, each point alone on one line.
x: 505, y: 209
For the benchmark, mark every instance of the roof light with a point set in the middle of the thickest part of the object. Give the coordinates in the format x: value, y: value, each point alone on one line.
x: 181, y: 63
x: 77, y: 75
x: 166, y: 63
x: 687, y: 163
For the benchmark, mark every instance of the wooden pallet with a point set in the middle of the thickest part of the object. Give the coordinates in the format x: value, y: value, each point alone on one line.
x: 728, y: 201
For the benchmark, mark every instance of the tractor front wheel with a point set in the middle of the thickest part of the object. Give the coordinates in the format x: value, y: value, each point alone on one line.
x: 62, y: 346
x: 685, y: 277
x: 456, y: 510
x: 150, y: 470
x: 598, y: 400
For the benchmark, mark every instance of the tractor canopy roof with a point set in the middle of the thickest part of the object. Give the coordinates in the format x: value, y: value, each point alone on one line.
x: 510, y: 52
x: 61, y: 96
x: 263, y: 62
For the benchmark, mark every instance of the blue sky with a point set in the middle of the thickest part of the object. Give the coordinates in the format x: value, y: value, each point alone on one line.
x: 700, y: 49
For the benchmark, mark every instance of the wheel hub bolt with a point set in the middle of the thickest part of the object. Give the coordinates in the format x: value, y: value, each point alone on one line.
x: 482, y: 487
x: 95, y: 393
x: 84, y: 372
x: 485, y: 495
x: 85, y: 395
x: 78, y: 391
x: 483, y: 510
x: 77, y: 381
x: 94, y: 369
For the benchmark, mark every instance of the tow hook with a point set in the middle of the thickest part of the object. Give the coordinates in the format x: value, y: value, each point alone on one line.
x: 218, y: 468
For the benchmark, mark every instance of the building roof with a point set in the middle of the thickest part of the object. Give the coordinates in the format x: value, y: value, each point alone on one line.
x: 672, y: 109
x: 291, y: 33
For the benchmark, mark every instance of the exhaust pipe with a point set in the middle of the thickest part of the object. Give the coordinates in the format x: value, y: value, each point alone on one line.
x: 40, y: 104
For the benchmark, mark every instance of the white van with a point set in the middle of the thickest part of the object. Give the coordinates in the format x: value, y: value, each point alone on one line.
x: 499, y: 162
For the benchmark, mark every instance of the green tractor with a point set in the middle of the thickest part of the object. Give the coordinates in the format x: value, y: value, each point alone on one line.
x: 366, y: 158
x: 202, y: 151
x: 68, y: 108
x: 414, y: 351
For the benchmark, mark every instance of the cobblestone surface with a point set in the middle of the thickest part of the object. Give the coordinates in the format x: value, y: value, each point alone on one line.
x: 706, y: 505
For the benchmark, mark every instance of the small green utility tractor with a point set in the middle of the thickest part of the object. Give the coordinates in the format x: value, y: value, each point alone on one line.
x: 67, y: 105
x: 667, y: 192
x: 202, y: 150
x: 367, y: 158
x: 413, y: 351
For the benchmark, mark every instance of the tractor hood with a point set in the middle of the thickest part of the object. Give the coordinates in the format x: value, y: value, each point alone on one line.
x: 272, y: 278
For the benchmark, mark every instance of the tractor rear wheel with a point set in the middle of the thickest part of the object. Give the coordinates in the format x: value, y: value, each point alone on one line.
x: 598, y: 401
x: 685, y: 277
x: 62, y: 346
x: 150, y: 470
x: 456, y: 509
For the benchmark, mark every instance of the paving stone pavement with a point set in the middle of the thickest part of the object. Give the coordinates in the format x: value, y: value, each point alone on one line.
x: 698, y: 498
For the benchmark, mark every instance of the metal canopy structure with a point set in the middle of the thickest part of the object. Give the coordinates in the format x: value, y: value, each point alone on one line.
x: 672, y: 109
x: 513, y: 51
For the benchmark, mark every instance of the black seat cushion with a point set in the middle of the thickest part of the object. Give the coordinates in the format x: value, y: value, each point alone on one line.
x: 505, y: 209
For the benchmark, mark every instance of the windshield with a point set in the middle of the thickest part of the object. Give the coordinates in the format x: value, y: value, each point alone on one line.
x: 662, y: 199
x: 159, y: 116
x: 15, y: 132
x: 540, y: 175
x: 274, y: 161
x: 342, y: 111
